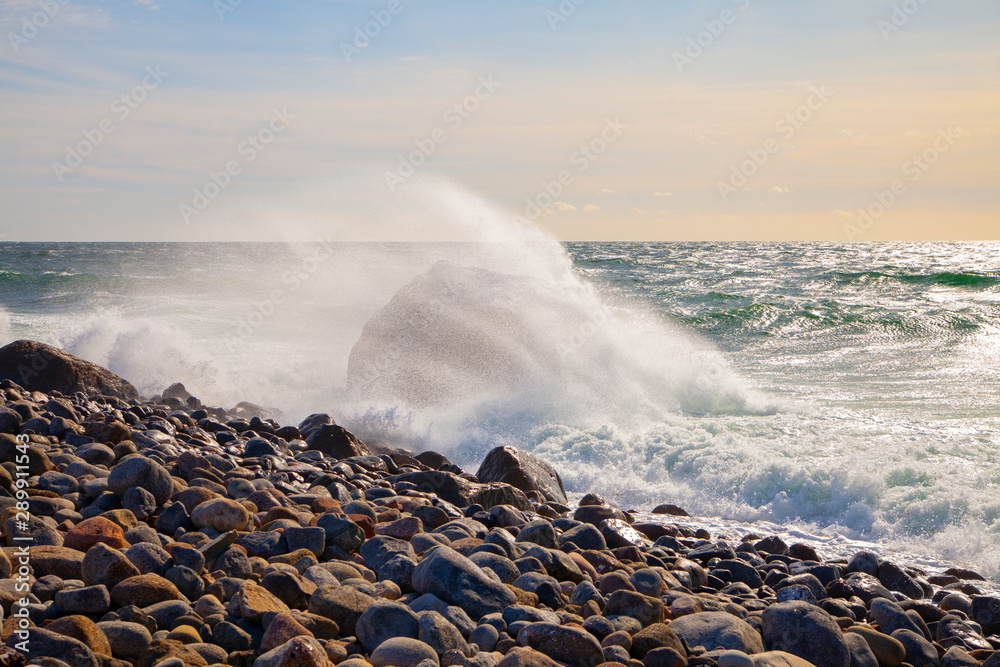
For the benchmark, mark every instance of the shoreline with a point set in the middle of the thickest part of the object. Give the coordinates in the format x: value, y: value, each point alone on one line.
x: 171, y: 534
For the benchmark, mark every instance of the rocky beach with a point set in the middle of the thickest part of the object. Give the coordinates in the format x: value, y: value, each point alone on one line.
x: 167, y: 532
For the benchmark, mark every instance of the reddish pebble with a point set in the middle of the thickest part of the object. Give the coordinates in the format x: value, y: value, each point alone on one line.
x: 282, y: 628
x: 402, y: 529
x: 96, y: 529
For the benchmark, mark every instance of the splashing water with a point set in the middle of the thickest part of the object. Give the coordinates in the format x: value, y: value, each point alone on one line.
x: 493, y: 334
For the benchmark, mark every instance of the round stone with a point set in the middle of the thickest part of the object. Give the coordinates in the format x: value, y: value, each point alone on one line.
x: 137, y: 470
x: 222, y: 514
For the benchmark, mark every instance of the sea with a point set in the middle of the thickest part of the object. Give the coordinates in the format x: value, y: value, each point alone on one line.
x: 845, y: 393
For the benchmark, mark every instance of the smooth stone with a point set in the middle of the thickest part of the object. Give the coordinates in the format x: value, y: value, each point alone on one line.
x: 86, y: 600
x: 140, y: 502
x: 717, y: 630
x: 441, y: 634
x: 299, y: 651
x: 807, y: 631
x: 861, y: 652
x: 734, y: 659
x: 342, y: 604
x: 222, y: 514
x: 457, y: 580
x: 919, y: 651
x: 128, y: 640
x: 572, y: 646
x: 137, y: 470
x: 384, y: 619
x: 888, y: 651
x: 104, y: 565
x: 402, y: 652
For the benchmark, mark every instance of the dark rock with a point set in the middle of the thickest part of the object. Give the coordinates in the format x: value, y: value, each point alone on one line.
x: 341, y: 532
x: 864, y: 561
x: 595, y: 514
x: 440, y: 634
x: 807, y: 631
x: 720, y: 550
x: 890, y: 616
x: 895, y: 579
x: 312, y: 538
x: 463, y: 493
x: 568, y: 645
x: 586, y: 536
x: 522, y: 470
x: 657, y: 635
x: 803, y: 552
x: 740, y: 571
x: 383, y: 620
x: 809, y: 581
x: 380, y: 549
x: 861, y: 653
x: 647, y: 610
x: 986, y: 612
x: 717, y: 629
x: 618, y: 533
x: 40, y: 643
x: 40, y: 367
x: 954, y: 631
x: 457, y: 580
x: 335, y: 442
x: 919, y: 651
x: 672, y: 510
x: 137, y: 470
x: 867, y: 587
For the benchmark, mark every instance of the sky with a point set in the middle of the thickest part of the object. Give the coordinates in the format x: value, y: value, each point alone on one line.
x: 859, y: 120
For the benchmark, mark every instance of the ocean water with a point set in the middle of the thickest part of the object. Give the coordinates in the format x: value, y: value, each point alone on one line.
x: 847, y: 390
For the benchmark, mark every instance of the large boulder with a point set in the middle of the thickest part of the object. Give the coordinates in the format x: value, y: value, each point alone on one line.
x: 522, y: 470
x: 455, y: 579
x: 40, y: 367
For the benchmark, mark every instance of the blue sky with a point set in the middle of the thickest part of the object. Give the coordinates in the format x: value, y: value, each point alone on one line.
x: 341, y: 132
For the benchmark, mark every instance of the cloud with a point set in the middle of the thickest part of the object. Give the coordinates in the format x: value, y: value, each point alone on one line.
x: 606, y: 191
x: 841, y: 213
x: 563, y: 206
x: 591, y: 208
x: 638, y: 211
x: 780, y: 190
x: 663, y: 194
